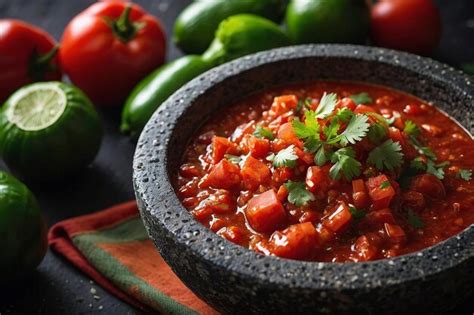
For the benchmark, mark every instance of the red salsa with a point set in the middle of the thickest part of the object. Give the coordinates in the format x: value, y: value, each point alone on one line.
x: 330, y: 171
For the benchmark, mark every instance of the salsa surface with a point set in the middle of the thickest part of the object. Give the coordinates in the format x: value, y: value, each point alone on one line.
x: 330, y: 171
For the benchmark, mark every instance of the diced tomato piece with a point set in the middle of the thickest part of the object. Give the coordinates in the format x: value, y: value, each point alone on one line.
x: 366, y: 248
x: 282, y: 193
x: 232, y: 233
x: 265, y: 213
x: 189, y: 171
x: 220, y: 147
x: 283, y: 104
x: 380, y: 191
x: 378, y: 218
x: 224, y: 175
x: 287, y: 134
x: 325, y: 235
x: 395, y: 233
x: 429, y: 185
x: 432, y: 130
x: 309, y: 216
x: 362, y: 109
x: 242, y: 130
x: 190, y: 189
x: 413, y: 109
x: 254, y: 173
x: 220, y: 201
x: 339, y: 218
x: 317, y: 178
x: 413, y: 200
x: 359, y: 194
x: 216, y: 224
x: 202, y: 214
x: 306, y: 157
x: 257, y: 147
x: 295, y: 242
x: 281, y: 175
x: 346, y: 102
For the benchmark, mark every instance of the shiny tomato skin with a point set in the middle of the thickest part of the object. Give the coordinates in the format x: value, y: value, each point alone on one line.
x: 102, y: 64
x: 20, y: 44
x: 408, y: 25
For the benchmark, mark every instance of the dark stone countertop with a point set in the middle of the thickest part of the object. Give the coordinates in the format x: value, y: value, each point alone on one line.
x: 58, y: 287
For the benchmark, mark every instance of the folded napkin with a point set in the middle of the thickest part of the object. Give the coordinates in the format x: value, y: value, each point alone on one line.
x: 113, y: 248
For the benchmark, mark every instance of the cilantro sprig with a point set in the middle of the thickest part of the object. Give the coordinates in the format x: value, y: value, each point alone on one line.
x: 298, y: 194
x: 344, y: 163
x: 377, y: 132
x: 387, y: 155
x: 411, y: 129
x: 326, y: 105
x: 355, y: 131
x: 464, y: 174
x: 262, y: 132
x: 361, y: 98
x: 284, y: 158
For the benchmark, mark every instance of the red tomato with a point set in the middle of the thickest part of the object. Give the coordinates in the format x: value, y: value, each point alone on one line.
x: 224, y: 175
x: 254, y: 173
x: 27, y: 54
x: 108, y: 48
x: 295, y: 242
x: 339, y: 218
x: 220, y: 147
x: 380, y: 191
x: 409, y: 25
x: 265, y: 213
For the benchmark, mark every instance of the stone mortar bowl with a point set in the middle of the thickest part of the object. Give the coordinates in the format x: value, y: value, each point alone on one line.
x: 234, y: 279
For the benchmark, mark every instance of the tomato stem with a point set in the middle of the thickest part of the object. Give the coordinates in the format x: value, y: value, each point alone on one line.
x: 124, y: 28
x: 40, y: 64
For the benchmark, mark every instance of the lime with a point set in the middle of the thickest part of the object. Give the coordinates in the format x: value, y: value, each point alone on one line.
x: 22, y: 230
x: 37, y: 107
x: 48, y: 131
x: 328, y: 21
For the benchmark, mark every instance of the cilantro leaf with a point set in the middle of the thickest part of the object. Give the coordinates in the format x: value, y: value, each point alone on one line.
x: 321, y: 156
x: 344, y: 114
x: 331, y: 131
x: 417, y: 164
x: 414, y: 220
x: 297, y: 193
x: 346, y: 163
x: 306, y: 103
x: 377, y: 132
x: 312, y: 144
x: 387, y: 155
x: 355, y: 130
x: 262, y: 132
x: 435, y: 169
x: 356, y: 213
x: 426, y: 151
x: 411, y: 129
x: 233, y: 158
x: 310, y: 127
x: 464, y: 174
x: 395, y: 116
x: 361, y: 98
x: 326, y: 105
x: 385, y: 184
x: 286, y: 157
